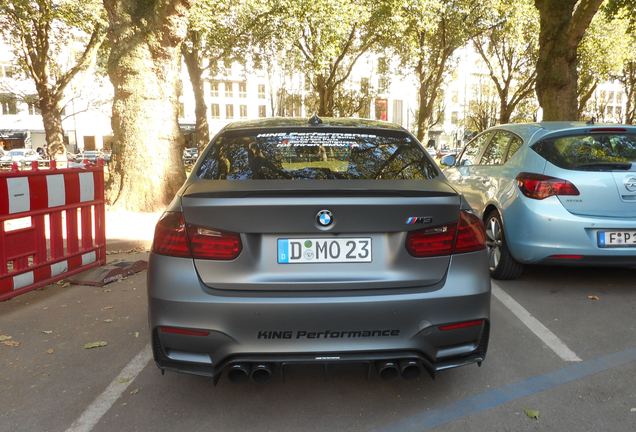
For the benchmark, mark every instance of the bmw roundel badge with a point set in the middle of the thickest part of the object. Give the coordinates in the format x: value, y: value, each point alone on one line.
x: 324, y: 218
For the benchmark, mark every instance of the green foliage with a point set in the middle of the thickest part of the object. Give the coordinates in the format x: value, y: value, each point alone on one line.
x: 325, y: 38
x: 45, y: 33
x: 426, y: 34
x: 603, y: 52
x: 510, y: 49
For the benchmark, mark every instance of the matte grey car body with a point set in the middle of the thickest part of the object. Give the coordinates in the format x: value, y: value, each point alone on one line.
x: 250, y: 310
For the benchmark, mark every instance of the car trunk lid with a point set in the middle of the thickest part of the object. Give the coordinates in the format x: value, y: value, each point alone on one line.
x: 266, y: 211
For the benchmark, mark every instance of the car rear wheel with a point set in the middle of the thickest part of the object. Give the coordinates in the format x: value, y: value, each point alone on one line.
x: 501, y: 263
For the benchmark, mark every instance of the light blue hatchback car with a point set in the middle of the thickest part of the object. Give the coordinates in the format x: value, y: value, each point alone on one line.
x: 552, y: 193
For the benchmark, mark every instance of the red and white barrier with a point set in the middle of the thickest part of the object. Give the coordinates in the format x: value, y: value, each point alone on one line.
x: 59, y: 214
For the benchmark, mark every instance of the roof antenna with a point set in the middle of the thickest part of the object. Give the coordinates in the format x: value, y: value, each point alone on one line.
x: 315, y: 120
x: 591, y: 121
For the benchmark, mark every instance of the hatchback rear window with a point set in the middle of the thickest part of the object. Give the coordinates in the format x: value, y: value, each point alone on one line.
x: 592, y: 152
x: 311, y: 154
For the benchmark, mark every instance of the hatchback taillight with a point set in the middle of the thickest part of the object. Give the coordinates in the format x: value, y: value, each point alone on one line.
x: 173, y: 237
x: 539, y: 186
x: 467, y: 235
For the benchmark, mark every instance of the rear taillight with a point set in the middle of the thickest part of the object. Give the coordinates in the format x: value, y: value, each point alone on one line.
x: 466, y: 236
x: 471, y: 235
x: 173, y: 237
x: 207, y: 243
x: 431, y: 241
x: 539, y: 186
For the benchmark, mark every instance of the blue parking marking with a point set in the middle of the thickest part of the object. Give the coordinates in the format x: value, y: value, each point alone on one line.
x: 507, y: 393
x: 283, y: 251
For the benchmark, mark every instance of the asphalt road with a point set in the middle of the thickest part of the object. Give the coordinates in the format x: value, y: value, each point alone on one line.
x: 50, y: 382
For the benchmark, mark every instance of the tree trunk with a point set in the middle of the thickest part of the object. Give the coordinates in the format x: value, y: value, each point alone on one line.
x: 325, y: 97
x: 629, y: 84
x: 52, y: 120
x: 505, y: 110
x: 192, y: 60
x: 556, y: 69
x: 563, y: 24
x: 143, y: 67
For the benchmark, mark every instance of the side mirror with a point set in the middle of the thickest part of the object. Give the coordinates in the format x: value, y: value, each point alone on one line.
x: 448, y: 161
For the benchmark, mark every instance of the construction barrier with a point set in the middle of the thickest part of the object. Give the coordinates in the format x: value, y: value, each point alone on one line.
x: 52, y: 225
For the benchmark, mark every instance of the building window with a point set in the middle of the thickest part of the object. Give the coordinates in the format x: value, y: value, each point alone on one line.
x: 454, y: 118
x: 397, y: 112
x: 381, y: 109
x: 214, y: 88
x: 33, y: 108
x: 9, y: 104
x: 307, y: 83
x: 261, y: 91
x: 262, y: 110
x: 383, y: 84
x: 229, y: 111
x: 364, y: 86
x: 215, y: 111
x: 243, y: 111
x: 229, y: 89
x: 243, y: 89
x: 7, y: 71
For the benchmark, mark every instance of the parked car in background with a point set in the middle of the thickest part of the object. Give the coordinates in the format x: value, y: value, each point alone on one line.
x: 92, y: 156
x: 322, y: 241
x: 552, y: 193
x: 190, y: 155
x: 22, y: 156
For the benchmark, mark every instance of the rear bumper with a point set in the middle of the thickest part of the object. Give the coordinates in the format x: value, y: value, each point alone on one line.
x: 538, y: 229
x: 323, y: 327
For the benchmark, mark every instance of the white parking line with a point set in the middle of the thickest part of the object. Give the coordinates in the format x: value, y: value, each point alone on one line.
x: 100, y: 406
x: 535, y: 326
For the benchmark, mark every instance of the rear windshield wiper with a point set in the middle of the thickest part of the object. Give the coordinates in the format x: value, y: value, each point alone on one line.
x: 604, y: 166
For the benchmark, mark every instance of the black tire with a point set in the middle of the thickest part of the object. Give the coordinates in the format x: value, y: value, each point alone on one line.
x: 501, y: 263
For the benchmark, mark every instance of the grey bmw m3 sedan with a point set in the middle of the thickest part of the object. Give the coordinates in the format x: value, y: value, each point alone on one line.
x: 317, y: 241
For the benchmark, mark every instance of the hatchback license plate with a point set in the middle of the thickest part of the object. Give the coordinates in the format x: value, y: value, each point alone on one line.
x: 617, y: 238
x: 324, y: 250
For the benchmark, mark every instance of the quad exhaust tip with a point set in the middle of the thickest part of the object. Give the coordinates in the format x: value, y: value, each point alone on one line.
x: 261, y: 373
x: 239, y: 372
x: 410, y: 369
x: 388, y: 369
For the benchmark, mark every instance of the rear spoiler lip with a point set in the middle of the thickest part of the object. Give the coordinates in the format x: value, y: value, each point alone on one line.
x: 321, y: 188
x: 317, y: 193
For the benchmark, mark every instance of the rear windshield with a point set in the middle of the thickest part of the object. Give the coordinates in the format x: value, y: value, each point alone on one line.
x: 273, y: 155
x: 595, y: 152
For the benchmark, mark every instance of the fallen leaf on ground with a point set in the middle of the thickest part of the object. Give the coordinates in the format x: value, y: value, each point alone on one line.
x: 134, y: 392
x: 47, y: 331
x: 107, y: 290
x: 11, y: 343
x: 107, y: 308
x: 593, y: 297
x: 533, y: 414
x: 61, y: 282
x: 97, y: 344
x: 124, y: 380
x: 5, y: 337
x: 136, y: 334
x: 50, y: 351
x: 108, y: 320
x: 632, y: 410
